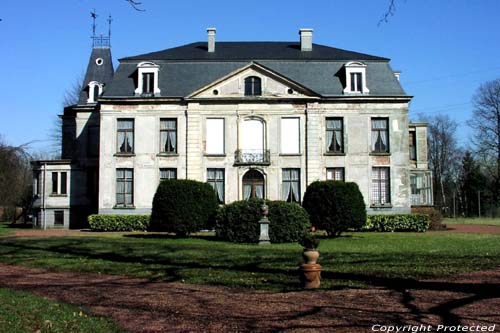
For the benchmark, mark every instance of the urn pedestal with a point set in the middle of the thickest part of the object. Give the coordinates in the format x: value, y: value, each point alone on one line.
x: 310, y: 276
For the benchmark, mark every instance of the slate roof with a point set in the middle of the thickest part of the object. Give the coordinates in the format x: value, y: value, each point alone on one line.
x: 230, y: 51
x: 102, y: 74
x: 188, y: 68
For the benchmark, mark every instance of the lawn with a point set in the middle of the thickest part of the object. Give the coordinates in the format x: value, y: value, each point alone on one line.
x: 355, y: 260
x: 470, y: 220
x: 23, y: 312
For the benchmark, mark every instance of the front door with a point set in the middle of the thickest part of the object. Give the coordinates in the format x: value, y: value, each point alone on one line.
x: 253, y: 185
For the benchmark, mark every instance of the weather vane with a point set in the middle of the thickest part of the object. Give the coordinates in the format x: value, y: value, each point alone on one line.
x: 109, y: 26
x: 94, y: 16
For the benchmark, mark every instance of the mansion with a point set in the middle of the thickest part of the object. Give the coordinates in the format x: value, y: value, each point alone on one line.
x: 253, y: 119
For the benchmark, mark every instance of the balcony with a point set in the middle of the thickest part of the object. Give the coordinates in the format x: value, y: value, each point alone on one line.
x: 252, y: 157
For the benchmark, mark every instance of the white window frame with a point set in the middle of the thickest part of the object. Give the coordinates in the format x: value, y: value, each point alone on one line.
x: 209, y: 147
x: 284, y: 138
x: 94, y: 85
x: 143, y: 68
x: 355, y: 67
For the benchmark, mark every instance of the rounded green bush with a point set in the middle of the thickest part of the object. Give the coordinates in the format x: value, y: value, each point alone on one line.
x: 335, y: 206
x: 239, y: 221
x: 183, y: 206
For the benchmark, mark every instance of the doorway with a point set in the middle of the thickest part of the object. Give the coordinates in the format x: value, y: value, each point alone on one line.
x: 253, y: 185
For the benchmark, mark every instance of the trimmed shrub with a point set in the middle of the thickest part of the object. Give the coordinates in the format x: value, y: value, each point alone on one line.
x: 398, y: 222
x: 183, y: 206
x: 335, y: 206
x: 434, y: 214
x: 239, y: 221
x: 118, y: 222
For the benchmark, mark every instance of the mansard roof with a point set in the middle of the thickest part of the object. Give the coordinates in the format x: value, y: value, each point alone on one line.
x: 230, y: 51
x: 185, y: 69
x: 102, y: 72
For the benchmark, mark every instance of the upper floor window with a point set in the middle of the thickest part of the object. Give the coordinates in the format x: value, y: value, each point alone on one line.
x: 290, y: 136
x: 380, y: 135
x: 355, y: 74
x: 147, y: 79
x: 334, y: 135
x: 214, y: 136
x: 125, y: 136
x: 168, y: 136
x: 413, y: 145
x: 60, y: 183
x: 253, y: 86
x: 95, y: 89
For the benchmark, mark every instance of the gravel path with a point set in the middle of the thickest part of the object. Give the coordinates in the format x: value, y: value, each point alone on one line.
x: 142, y: 306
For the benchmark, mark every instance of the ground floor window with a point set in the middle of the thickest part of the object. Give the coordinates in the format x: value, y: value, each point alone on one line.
x: 253, y: 185
x: 168, y: 173
x: 421, y: 188
x: 381, y: 186
x: 215, y: 177
x: 335, y: 174
x: 59, y: 218
x: 291, y: 185
x: 124, y: 187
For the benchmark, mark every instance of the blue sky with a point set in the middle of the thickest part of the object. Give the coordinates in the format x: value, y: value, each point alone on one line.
x: 445, y: 49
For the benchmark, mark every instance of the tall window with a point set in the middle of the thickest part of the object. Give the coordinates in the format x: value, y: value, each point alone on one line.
x: 125, y: 136
x: 253, y: 185
x: 335, y: 174
x: 215, y: 177
x: 334, y: 135
x: 291, y: 185
x: 125, y: 187
x: 356, y: 82
x: 290, y: 135
x: 60, y: 183
x: 215, y: 136
x: 413, y: 146
x: 381, y: 186
x: 168, y: 136
x: 380, y: 135
x: 148, y: 83
x: 253, y: 86
x: 168, y: 173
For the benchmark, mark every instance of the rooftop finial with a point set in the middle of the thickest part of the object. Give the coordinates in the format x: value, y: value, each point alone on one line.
x: 109, y: 26
x: 94, y: 16
x: 100, y: 41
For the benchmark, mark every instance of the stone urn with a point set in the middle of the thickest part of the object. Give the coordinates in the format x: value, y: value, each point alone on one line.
x: 310, y: 270
x: 310, y: 256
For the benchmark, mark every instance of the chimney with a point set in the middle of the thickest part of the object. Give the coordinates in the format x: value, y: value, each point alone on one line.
x: 397, y: 74
x: 306, y: 38
x: 211, y: 39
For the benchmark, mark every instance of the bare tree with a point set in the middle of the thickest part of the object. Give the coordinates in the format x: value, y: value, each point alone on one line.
x: 136, y: 5
x: 444, y: 156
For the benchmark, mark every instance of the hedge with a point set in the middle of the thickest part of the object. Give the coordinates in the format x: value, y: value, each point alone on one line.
x: 119, y: 222
x: 434, y: 214
x: 239, y: 221
x: 183, y: 206
x: 335, y: 206
x: 398, y: 222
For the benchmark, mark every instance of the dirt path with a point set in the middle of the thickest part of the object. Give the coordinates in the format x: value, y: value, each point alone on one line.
x: 473, y: 228
x: 142, y: 306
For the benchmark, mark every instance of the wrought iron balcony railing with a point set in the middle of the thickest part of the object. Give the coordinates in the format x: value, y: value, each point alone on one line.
x: 252, y: 157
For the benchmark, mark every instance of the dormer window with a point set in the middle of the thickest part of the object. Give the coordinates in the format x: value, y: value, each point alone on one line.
x: 253, y: 86
x: 355, y: 73
x: 147, y: 80
x: 95, y: 90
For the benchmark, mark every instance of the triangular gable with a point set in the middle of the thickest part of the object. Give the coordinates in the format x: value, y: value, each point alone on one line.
x: 274, y: 85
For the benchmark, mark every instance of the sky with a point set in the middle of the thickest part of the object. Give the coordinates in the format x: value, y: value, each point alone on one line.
x: 445, y: 49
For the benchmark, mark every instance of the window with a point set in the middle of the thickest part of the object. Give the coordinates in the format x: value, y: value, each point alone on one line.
x: 413, y: 145
x: 215, y: 177
x: 37, y: 183
x: 291, y: 185
x: 355, y: 74
x: 356, y: 82
x: 95, y: 89
x: 380, y: 135
x: 335, y: 174
x: 168, y: 136
x: 125, y: 187
x: 169, y: 173
x: 253, y: 86
x: 215, y: 137
x: 59, y: 218
x: 334, y: 135
x: 421, y: 188
x: 147, y: 80
x: 253, y: 185
x: 381, y: 186
x: 125, y: 136
x: 148, y: 83
x: 290, y: 135
x: 59, y: 183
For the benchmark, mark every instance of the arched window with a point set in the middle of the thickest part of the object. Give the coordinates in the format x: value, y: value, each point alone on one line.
x: 253, y: 185
x: 253, y: 86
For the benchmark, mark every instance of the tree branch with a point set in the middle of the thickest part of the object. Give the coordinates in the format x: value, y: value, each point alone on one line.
x: 136, y: 5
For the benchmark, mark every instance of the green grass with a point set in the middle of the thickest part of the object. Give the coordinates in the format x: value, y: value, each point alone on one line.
x: 23, y: 312
x: 470, y: 220
x: 6, y: 228
x: 356, y: 260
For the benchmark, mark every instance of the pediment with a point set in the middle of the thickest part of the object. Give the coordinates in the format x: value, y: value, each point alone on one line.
x: 273, y: 85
